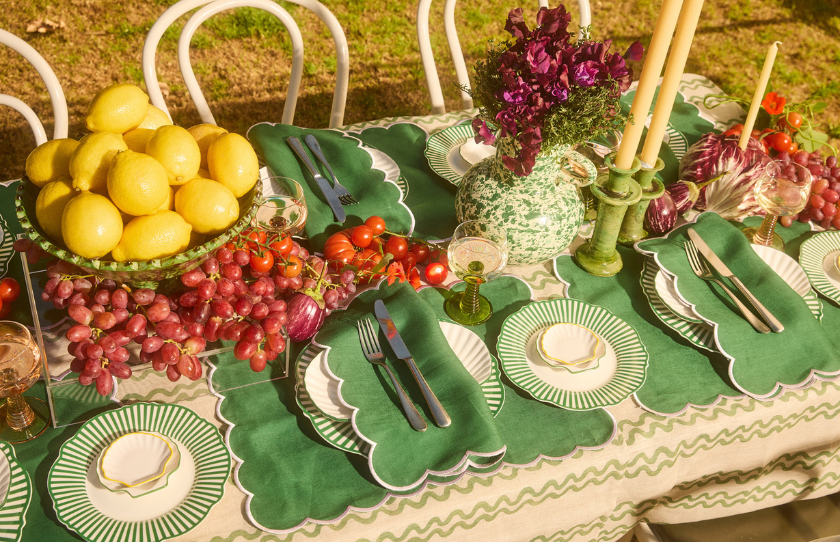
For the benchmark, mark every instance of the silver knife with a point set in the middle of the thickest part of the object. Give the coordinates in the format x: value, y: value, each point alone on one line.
x: 721, y: 268
x: 390, y: 330
x: 322, y: 183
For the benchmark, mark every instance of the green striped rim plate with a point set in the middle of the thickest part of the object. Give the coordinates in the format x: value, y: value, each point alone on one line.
x: 18, y: 496
x: 817, y: 257
x: 620, y: 372
x: 97, y: 514
x: 442, y: 152
x: 699, y: 334
x: 340, y: 433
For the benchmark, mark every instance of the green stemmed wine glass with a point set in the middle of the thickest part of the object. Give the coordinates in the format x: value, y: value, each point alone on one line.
x: 477, y: 253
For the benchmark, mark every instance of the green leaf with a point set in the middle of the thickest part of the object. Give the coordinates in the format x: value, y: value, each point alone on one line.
x: 810, y: 140
x: 817, y: 107
x: 763, y: 120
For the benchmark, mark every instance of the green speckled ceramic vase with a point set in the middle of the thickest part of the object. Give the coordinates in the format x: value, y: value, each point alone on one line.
x: 541, y: 212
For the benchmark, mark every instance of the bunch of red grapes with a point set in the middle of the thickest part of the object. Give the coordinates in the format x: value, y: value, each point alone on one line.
x: 825, y: 189
x: 214, y: 302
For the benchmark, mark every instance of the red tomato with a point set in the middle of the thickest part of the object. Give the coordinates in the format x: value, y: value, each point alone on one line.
x: 735, y: 130
x: 292, y: 267
x: 362, y: 236
x: 755, y: 133
x: 781, y: 141
x: 409, y: 262
x: 792, y: 148
x: 791, y: 121
x: 5, y: 309
x: 397, y: 246
x: 436, y: 273
x: 377, y: 245
x: 439, y: 256
x: 338, y: 245
x: 9, y: 290
x: 257, y: 237
x: 421, y: 251
x: 376, y: 224
x: 262, y: 264
x: 283, y: 246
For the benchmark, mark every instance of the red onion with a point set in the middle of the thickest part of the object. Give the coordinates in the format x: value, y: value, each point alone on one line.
x: 661, y: 215
x: 305, y: 317
x: 684, y: 194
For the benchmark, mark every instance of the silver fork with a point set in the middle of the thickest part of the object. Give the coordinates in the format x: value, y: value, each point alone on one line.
x: 373, y: 353
x: 702, y: 271
x: 343, y: 195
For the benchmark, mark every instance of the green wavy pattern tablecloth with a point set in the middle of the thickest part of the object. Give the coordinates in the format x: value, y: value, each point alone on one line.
x: 736, y: 456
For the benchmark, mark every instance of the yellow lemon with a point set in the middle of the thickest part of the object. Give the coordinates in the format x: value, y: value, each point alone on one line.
x: 204, y: 135
x: 137, y: 183
x: 177, y: 151
x: 91, y: 225
x: 136, y: 139
x: 233, y: 162
x: 50, y: 205
x: 50, y: 160
x: 155, y: 118
x: 204, y: 174
x: 208, y: 206
x: 152, y: 237
x: 92, y: 159
x: 118, y: 109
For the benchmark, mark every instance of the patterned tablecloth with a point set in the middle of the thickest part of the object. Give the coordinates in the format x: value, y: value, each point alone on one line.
x: 737, y: 456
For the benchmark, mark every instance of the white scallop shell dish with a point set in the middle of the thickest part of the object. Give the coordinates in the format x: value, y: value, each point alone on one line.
x: 135, y: 459
x: 568, y: 344
x: 148, y: 487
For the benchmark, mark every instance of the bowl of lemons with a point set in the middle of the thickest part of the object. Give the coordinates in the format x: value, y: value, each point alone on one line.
x: 138, y: 199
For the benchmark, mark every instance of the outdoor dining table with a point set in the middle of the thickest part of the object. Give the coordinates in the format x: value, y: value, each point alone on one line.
x: 655, y: 456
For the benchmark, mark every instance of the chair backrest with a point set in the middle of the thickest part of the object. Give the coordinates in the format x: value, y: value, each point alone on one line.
x: 177, y: 10
x: 428, y: 58
x: 59, y: 102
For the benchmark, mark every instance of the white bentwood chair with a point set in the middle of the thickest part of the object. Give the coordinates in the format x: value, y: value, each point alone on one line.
x: 428, y: 57
x: 59, y: 102
x: 213, y: 7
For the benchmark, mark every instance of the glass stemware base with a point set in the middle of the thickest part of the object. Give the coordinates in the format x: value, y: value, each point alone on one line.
x: 765, y: 235
x: 478, y: 308
x: 23, y: 419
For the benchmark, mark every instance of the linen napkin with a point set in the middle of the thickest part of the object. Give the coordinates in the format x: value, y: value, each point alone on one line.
x: 400, y: 457
x: 352, y: 165
x: 758, y: 362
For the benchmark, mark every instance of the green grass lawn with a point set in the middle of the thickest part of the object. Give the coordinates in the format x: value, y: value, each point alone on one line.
x: 242, y: 62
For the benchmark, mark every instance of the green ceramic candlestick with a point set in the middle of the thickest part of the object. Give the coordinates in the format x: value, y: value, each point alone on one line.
x: 616, y: 191
x: 633, y: 227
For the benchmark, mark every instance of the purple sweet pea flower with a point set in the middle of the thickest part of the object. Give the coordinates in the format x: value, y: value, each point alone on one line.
x: 586, y: 73
x: 618, y: 70
x: 594, y: 51
x: 482, y: 132
x: 507, y: 122
x: 552, y: 21
x: 515, y: 24
x: 515, y: 94
x: 537, y: 57
x: 634, y: 52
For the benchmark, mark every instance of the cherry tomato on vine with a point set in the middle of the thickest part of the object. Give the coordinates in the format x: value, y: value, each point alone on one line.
x: 781, y: 141
x: 735, y: 130
x: 397, y: 246
x: 283, y: 246
x: 756, y: 133
x: 257, y: 237
x: 362, y: 236
x: 291, y: 267
x: 9, y: 290
x: 421, y: 251
x: 439, y: 256
x: 436, y: 273
x: 376, y: 224
x: 377, y: 245
x: 791, y: 121
x: 262, y: 264
x: 792, y: 148
x: 409, y: 262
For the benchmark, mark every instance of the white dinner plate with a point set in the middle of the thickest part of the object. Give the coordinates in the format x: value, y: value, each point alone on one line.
x: 818, y: 257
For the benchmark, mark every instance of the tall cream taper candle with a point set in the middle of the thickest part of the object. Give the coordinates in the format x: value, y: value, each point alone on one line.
x: 759, y: 94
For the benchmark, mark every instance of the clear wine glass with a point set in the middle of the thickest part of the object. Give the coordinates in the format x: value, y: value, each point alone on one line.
x: 477, y: 253
x: 20, y: 366
x: 782, y: 190
x: 284, y: 211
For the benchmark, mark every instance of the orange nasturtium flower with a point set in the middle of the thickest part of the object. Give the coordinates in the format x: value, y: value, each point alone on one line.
x: 773, y: 103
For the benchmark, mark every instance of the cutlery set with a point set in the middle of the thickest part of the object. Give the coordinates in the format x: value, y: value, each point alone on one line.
x: 373, y: 352
x: 336, y: 194
x: 767, y: 323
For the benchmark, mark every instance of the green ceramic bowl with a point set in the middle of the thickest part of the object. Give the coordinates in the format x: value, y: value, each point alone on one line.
x: 142, y: 274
